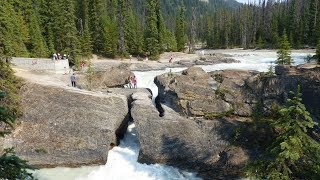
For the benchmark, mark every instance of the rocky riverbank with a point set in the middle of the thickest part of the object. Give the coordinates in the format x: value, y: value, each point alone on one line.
x: 201, y: 114
x: 178, y: 60
x: 197, y: 93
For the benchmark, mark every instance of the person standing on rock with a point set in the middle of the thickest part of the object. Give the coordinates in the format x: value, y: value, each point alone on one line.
x: 129, y: 82
x: 73, y: 80
x: 134, y: 82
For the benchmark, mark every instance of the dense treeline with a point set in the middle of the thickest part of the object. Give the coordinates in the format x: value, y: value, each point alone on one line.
x: 260, y: 25
x: 38, y: 28
x: 117, y: 28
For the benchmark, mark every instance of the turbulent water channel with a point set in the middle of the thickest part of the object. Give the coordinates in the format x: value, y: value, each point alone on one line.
x: 122, y: 160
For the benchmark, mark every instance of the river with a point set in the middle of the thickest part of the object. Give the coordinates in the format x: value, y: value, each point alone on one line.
x: 122, y: 160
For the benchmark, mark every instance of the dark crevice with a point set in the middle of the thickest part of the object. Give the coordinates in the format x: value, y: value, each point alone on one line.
x: 120, y: 132
x: 159, y: 106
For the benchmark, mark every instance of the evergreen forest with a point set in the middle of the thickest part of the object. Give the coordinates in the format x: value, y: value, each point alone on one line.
x: 118, y: 28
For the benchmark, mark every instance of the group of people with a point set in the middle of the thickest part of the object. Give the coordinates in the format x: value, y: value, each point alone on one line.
x: 132, y: 82
x: 57, y: 56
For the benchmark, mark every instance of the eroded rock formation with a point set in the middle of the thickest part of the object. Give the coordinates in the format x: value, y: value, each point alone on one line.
x: 207, y: 146
x: 195, y: 144
x: 196, y: 93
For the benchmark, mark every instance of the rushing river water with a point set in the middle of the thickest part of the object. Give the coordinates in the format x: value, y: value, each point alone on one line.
x: 122, y: 160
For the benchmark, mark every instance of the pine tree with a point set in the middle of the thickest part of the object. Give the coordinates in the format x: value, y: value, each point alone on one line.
x: 9, y: 84
x: 103, y: 27
x: 110, y: 36
x: 313, y: 13
x: 11, y: 166
x: 36, y: 43
x: 65, y: 31
x: 170, y: 42
x: 97, y: 15
x: 209, y: 32
x: 38, y: 47
x: 152, y: 33
x: 89, y: 76
x: 292, y: 22
x: 318, y: 52
x: 180, y: 30
x: 83, y: 26
x: 121, y: 13
x: 260, y: 43
x: 294, y: 153
x: 47, y: 11
x: 284, y: 57
x: 132, y: 31
x: 13, y: 31
x: 162, y: 30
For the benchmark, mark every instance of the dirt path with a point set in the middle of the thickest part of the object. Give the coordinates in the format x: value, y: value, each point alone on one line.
x: 44, y: 78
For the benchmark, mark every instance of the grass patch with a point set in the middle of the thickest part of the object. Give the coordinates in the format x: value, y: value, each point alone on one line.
x: 211, y: 116
x: 41, y: 150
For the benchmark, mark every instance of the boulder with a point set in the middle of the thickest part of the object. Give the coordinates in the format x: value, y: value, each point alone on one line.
x: 190, y: 93
x: 284, y: 70
x: 67, y: 127
x: 234, y: 90
x: 215, y: 59
x: 307, y: 76
x: 197, y: 93
x: 114, y: 77
x: 195, y: 144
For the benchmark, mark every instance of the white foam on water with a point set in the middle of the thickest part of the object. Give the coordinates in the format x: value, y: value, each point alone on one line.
x: 122, y: 165
x: 146, y: 79
x: 259, y: 61
x: 122, y: 160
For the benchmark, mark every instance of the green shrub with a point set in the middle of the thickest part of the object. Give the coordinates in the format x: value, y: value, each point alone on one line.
x: 41, y: 150
x: 219, y: 115
x: 293, y: 153
x: 11, y: 166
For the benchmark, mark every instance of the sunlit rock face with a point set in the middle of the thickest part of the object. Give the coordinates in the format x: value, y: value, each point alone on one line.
x: 195, y: 144
x: 67, y: 127
x: 182, y: 137
x: 197, y: 93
